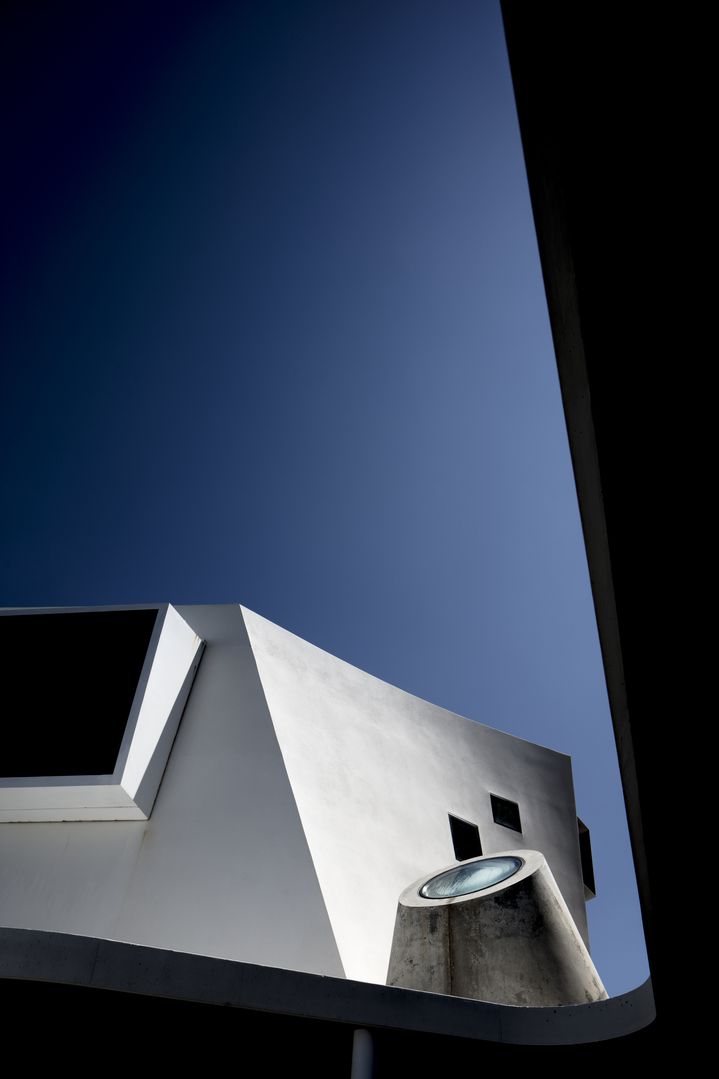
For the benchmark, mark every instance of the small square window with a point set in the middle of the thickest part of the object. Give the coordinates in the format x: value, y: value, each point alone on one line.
x: 506, y: 813
x: 465, y: 838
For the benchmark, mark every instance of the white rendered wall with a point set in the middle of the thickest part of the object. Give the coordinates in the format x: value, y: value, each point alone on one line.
x: 296, y: 806
x: 376, y: 771
x: 221, y: 867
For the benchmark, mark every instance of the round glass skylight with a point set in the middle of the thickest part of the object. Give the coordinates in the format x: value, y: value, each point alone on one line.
x: 470, y: 878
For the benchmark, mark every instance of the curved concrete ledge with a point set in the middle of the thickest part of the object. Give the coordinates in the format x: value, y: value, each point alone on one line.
x: 34, y: 955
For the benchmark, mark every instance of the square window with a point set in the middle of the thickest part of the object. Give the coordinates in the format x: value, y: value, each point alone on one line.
x: 506, y: 813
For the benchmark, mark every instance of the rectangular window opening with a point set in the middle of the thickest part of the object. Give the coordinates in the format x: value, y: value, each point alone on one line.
x: 465, y: 838
x: 506, y: 813
x: 585, y: 853
x: 69, y: 681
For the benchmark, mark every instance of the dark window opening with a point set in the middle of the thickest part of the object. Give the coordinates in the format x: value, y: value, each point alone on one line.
x: 506, y: 813
x: 585, y: 853
x: 69, y: 680
x: 465, y: 837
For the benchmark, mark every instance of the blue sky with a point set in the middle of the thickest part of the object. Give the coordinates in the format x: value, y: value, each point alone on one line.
x: 274, y: 332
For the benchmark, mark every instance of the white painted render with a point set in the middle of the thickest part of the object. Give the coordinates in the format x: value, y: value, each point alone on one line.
x: 300, y: 798
x: 375, y: 772
x: 177, y: 648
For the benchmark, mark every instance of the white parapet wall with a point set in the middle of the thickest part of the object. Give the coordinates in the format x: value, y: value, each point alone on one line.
x: 300, y: 798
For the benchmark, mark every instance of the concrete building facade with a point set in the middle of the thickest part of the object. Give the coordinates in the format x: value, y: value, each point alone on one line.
x: 299, y: 799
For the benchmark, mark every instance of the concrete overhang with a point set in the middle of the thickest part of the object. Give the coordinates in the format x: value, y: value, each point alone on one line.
x: 78, y: 961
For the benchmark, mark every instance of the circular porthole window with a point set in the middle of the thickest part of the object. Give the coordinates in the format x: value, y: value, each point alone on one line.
x: 470, y: 878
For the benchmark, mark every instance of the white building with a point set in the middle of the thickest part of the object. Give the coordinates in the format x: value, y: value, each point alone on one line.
x: 300, y: 797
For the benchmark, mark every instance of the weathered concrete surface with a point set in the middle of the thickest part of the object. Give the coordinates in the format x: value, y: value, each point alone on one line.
x: 513, y: 943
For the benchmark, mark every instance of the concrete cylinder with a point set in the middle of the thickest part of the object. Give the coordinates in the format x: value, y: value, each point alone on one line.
x: 513, y: 942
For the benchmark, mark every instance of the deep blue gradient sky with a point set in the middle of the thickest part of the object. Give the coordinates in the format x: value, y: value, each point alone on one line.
x: 274, y: 332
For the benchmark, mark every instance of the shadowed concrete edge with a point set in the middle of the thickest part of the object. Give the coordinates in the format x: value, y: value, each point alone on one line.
x: 34, y: 955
